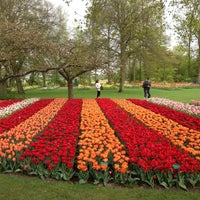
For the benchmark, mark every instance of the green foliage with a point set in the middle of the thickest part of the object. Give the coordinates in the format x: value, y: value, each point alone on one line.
x: 11, y: 95
x: 188, y: 20
x: 193, y: 179
x: 83, y: 176
x: 129, y: 179
x: 100, y: 177
x: 62, y: 173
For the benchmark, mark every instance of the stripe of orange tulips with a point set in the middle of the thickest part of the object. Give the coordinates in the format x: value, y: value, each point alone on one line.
x: 98, y: 140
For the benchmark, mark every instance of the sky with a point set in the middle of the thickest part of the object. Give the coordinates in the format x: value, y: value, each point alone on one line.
x: 75, y: 10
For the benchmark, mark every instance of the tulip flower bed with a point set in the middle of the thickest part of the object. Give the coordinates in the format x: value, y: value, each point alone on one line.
x: 187, y: 108
x: 7, y: 103
x: 15, y: 106
x: 195, y: 102
x: 123, y: 141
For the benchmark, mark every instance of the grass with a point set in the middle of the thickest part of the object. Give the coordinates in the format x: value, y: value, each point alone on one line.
x: 178, y: 94
x: 15, y: 187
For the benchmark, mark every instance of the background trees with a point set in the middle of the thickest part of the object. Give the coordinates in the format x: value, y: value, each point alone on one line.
x: 132, y: 33
x: 27, y: 31
x: 34, y: 39
x: 76, y: 57
x: 188, y: 29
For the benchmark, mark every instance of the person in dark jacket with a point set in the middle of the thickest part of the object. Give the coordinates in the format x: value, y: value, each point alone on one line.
x: 147, y: 85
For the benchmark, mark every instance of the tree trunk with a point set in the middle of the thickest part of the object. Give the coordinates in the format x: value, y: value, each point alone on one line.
x: 122, y: 79
x: 122, y: 70
x: 189, y: 58
x: 3, y: 89
x: 132, y: 63
x: 198, y: 80
x: 43, y: 79
x: 70, y: 89
x: 20, y: 88
x: 140, y: 65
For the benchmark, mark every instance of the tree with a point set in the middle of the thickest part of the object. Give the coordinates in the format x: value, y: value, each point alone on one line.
x: 189, y: 29
x: 126, y: 27
x: 75, y: 57
x: 28, y: 31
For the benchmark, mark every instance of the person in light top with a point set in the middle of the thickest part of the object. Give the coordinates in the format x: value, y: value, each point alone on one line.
x: 98, y: 88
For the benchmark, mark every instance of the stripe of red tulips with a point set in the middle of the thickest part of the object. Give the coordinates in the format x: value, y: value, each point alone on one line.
x: 6, y: 103
x: 58, y: 141
x: 16, y: 118
x: 177, y: 116
x: 147, y: 148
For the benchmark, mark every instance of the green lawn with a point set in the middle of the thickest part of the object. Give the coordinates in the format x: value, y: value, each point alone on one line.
x: 178, y: 94
x: 13, y: 187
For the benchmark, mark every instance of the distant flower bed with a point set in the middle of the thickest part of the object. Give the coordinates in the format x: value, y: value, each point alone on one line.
x: 187, y: 108
x: 195, y: 102
x: 15, y: 105
x: 125, y: 141
x: 164, y: 85
x: 4, y: 103
x: 175, y: 85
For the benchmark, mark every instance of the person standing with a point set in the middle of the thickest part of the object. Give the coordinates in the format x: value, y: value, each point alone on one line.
x: 147, y: 85
x: 98, y: 88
